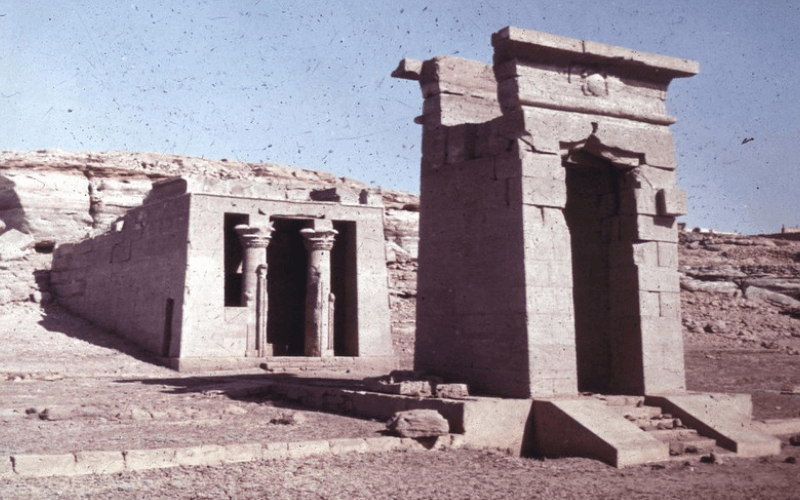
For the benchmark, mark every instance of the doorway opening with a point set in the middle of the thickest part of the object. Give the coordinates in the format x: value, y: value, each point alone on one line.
x: 592, y: 205
x: 344, y: 288
x: 287, y: 281
x: 287, y: 262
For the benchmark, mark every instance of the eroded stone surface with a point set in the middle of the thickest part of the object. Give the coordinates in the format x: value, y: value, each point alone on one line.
x: 548, y: 257
x: 418, y: 424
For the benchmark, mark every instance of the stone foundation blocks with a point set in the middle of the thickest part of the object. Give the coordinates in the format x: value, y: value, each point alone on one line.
x: 44, y: 465
x: 99, y: 462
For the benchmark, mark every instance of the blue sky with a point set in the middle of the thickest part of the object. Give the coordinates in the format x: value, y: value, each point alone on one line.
x: 307, y: 83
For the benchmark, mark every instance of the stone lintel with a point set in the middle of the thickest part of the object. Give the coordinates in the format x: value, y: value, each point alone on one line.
x: 536, y: 47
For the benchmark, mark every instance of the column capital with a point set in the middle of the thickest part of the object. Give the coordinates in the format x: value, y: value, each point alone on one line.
x: 254, y: 236
x: 319, y: 239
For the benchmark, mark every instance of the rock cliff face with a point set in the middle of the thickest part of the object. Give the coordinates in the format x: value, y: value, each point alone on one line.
x: 50, y: 197
x: 740, y: 291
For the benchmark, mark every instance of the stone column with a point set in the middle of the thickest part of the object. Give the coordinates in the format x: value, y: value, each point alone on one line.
x: 255, y: 240
x: 319, y: 323
x: 262, y: 304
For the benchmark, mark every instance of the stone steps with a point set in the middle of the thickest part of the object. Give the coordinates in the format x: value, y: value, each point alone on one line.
x: 637, y: 412
x: 682, y: 441
x: 685, y: 441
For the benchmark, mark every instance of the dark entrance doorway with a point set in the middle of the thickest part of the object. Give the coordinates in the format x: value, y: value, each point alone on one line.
x: 592, y: 205
x: 287, y: 262
x: 344, y: 288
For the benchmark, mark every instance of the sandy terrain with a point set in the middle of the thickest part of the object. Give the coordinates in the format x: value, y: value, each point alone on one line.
x: 102, y: 397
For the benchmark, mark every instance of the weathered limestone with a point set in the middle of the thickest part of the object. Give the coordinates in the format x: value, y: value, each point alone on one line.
x: 418, y: 423
x: 207, y: 280
x: 319, y: 299
x: 548, y: 252
x: 254, y: 242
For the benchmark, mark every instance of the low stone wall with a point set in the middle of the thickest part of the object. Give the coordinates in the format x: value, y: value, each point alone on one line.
x: 111, y: 462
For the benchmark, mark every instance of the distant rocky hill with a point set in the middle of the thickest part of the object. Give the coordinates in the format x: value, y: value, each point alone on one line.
x: 741, y: 291
x: 49, y: 197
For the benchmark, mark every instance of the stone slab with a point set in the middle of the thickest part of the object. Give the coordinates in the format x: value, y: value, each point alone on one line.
x: 596, y: 52
x: 273, y: 451
x: 380, y: 444
x: 778, y: 427
x: 587, y: 427
x: 348, y: 445
x: 150, y: 459
x: 302, y: 449
x: 44, y: 465
x: 206, y: 454
x: 99, y: 462
x: 245, y: 452
x: 497, y: 423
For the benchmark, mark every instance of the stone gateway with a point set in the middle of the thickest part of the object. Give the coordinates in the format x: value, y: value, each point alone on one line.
x: 548, y: 240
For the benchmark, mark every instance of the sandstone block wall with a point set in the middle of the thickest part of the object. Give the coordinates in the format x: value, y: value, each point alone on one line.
x: 548, y: 252
x: 123, y: 280
x: 55, y: 197
x: 166, y: 276
x: 210, y: 329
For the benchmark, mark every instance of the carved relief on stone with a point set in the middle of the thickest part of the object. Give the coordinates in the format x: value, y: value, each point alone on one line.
x: 593, y: 82
x: 254, y: 236
x: 318, y: 239
x: 254, y: 240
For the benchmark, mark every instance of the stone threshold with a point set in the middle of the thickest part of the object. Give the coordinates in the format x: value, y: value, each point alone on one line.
x: 112, y: 462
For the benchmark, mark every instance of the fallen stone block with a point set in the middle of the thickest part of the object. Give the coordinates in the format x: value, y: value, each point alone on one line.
x: 44, y: 465
x: 418, y: 423
x: 726, y: 288
x: 416, y: 388
x: 452, y: 391
x: 60, y: 412
x: 99, y: 462
x: 771, y: 297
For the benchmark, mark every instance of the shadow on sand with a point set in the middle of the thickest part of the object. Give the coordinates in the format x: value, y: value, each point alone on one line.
x: 58, y: 320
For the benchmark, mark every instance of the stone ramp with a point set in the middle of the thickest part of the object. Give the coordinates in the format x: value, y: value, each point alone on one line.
x: 623, y: 430
x: 587, y: 427
x: 726, y: 418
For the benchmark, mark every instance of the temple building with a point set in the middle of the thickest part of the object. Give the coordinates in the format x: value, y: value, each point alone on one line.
x: 205, y: 278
